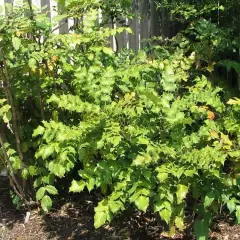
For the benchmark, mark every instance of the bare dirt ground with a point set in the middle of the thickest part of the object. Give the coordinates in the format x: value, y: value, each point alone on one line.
x: 74, y: 220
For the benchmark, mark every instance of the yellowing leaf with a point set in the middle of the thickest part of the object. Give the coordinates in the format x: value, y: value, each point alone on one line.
x: 16, y: 43
x: 234, y: 101
x: 179, y: 223
x: 225, y: 139
x: 211, y: 115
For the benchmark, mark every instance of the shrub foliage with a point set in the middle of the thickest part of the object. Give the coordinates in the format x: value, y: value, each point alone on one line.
x: 154, y: 132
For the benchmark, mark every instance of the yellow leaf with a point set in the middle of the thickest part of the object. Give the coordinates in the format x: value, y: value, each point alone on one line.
x: 213, y: 134
x: 211, y: 115
x: 225, y: 139
x: 234, y: 101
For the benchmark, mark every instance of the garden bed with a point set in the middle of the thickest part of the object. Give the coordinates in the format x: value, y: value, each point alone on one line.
x: 74, y: 220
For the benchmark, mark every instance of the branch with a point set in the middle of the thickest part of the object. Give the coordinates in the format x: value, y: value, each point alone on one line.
x: 13, y: 180
x: 11, y: 103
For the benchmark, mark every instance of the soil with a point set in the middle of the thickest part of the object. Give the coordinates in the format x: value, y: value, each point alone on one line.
x: 73, y: 220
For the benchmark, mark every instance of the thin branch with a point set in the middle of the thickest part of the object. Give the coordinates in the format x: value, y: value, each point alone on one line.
x: 40, y: 99
x: 18, y: 190
x: 11, y: 103
x: 59, y: 26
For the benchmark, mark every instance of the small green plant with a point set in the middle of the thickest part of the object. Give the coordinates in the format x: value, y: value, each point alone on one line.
x: 16, y: 200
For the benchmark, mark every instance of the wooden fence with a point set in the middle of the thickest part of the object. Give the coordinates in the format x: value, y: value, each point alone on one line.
x: 152, y: 22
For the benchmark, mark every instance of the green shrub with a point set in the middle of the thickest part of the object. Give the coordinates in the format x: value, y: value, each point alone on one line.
x: 152, y: 133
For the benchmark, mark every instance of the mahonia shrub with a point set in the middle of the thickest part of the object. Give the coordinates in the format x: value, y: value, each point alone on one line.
x: 149, y: 132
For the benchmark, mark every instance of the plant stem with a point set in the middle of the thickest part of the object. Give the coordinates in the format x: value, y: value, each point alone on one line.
x: 11, y: 103
x: 12, y: 178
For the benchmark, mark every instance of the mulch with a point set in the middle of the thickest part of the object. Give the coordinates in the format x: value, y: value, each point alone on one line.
x: 73, y: 220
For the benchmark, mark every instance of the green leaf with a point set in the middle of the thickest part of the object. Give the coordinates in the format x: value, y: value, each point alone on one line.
x: 40, y: 193
x: 201, y: 229
x: 37, y: 182
x: 32, y: 170
x: 48, y: 151
x: 25, y: 173
x: 181, y: 193
x: 46, y: 203
x: 142, y: 203
x: 49, y: 179
x: 99, y: 219
x: 108, y: 51
x: 39, y: 131
x: 16, y: 163
x: 11, y: 151
x: 7, y: 117
x: 16, y: 43
x: 209, y: 198
x: 162, y: 177
x: 57, y: 169
x: 238, y: 214
x: 115, y: 206
x: 165, y: 214
x: 77, y: 186
x: 231, y: 205
x: 51, y: 189
x: 24, y: 147
x: 90, y: 184
x: 189, y: 173
x: 32, y: 63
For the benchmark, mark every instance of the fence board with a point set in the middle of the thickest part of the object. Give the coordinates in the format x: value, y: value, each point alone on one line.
x: 36, y: 3
x: 121, y: 38
x: 134, y: 39
x: 145, y: 13
x: 46, y: 3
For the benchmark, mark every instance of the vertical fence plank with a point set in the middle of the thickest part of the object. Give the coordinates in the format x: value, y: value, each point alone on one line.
x: 134, y: 39
x: 127, y: 35
x: 70, y: 25
x: 63, y: 24
x: 54, y: 13
x: 47, y: 9
x: 144, y: 22
x: 36, y: 3
x: 155, y: 23
x: 121, y: 38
